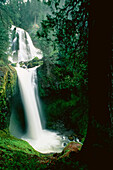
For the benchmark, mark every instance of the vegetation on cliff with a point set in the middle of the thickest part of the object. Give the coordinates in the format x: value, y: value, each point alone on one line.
x: 63, y: 77
x: 8, y: 79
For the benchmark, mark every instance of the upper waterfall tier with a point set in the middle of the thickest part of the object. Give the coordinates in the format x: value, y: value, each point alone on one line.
x: 22, y: 46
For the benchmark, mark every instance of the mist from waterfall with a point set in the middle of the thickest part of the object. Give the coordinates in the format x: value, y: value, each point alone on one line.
x: 40, y: 139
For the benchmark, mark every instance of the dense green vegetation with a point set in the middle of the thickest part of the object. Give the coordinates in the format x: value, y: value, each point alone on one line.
x: 29, y: 64
x: 63, y: 78
x: 5, y: 24
x: 26, y: 14
x: 60, y: 29
x: 34, y: 62
x: 7, y: 89
x: 15, y: 153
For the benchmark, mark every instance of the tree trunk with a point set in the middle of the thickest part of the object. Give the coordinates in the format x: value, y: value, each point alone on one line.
x: 97, y: 147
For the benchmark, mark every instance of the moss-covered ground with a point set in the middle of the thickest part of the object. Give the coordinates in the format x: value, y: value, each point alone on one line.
x: 18, y: 154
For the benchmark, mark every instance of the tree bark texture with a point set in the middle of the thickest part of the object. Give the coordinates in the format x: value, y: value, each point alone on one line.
x: 98, y: 145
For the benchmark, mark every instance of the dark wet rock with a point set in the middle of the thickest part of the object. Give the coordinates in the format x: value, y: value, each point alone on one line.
x: 71, y: 138
x: 72, y: 147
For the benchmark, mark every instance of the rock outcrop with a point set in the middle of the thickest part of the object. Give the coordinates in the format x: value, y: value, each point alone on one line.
x: 71, y: 147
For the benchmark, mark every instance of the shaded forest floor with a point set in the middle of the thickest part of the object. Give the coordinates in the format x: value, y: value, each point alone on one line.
x: 18, y: 154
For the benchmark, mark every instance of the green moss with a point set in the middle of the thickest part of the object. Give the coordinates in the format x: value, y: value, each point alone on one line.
x: 9, y: 142
x: 8, y: 79
x: 32, y: 63
x: 18, y: 154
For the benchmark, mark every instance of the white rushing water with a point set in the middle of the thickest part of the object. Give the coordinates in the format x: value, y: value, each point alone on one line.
x: 40, y: 139
x: 22, y: 46
x: 26, y: 83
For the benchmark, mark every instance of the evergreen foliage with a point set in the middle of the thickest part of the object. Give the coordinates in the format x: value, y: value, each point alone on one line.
x: 66, y: 32
x: 26, y: 14
x: 4, y: 32
x: 21, y: 14
x: 65, y: 68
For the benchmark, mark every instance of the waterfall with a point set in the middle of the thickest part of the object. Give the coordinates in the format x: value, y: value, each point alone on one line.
x: 40, y: 139
x: 22, y: 46
x: 26, y: 83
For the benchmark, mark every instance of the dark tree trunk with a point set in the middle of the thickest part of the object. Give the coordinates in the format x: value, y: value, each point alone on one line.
x: 97, y: 147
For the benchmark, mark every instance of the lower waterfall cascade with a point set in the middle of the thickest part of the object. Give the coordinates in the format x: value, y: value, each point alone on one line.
x: 40, y: 139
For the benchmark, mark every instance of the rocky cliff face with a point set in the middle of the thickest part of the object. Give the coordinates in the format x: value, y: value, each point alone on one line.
x: 7, y: 88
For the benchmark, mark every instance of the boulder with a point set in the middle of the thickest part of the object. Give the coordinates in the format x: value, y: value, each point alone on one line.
x: 71, y: 147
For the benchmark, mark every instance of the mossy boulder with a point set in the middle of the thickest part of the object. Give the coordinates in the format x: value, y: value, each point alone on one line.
x: 71, y: 148
x: 32, y: 63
